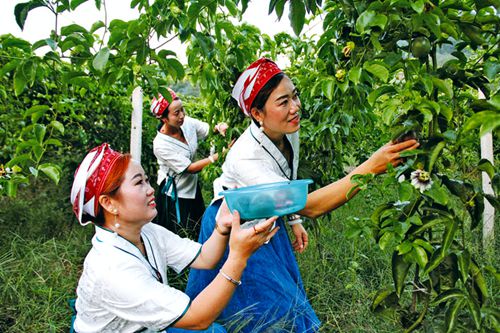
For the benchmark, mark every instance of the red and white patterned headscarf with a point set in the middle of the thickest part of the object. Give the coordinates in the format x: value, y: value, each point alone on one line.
x: 89, y: 180
x: 251, y: 81
x: 160, y: 104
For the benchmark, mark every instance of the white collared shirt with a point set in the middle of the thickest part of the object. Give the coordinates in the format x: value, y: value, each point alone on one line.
x: 254, y: 159
x: 174, y: 156
x: 119, y: 291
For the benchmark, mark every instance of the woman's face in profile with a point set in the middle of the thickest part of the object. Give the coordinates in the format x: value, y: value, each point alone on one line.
x: 176, y: 114
x: 281, y: 111
x: 135, y: 199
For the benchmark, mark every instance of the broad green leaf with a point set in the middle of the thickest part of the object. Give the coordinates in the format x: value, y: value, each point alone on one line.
x: 368, y: 19
x: 417, y: 6
x: 22, y: 9
x: 51, y: 43
x: 177, y: 66
x: 438, y: 194
x: 355, y: 74
x: 475, y: 311
x: 51, y: 170
x: 434, y: 154
x: 464, y: 260
x: 378, y: 70
x: 444, y: 86
x: 404, y: 247
x: 447, y: 295
x: 72, y: 28
x: 76, y: 3
x: 297, y: 15
x: 436, y: 258
x: 479, y: 278
x: 424, y: 244
x: 385, y: 296
x: 34, y: 171
x: 486, y: 166
x: 399, y: 272
x: 449, y: 234
x: 100, y: 59
x: 487, y: 120
x: 451, y: 316
x: 58, y: 126
x: 405, y: 191
x: 327, y: 88
x: 420, y: 255
x: 20, y: 159
x: 20, y: 82
x: 53, y: 142
x: 374, y: 95
x: 96, y: 26
x: 385, y: 240
x: 35, y: 109
x: 39, y: 131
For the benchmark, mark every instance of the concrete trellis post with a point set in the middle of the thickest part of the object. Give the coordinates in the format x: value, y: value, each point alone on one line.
x: 136, y: 127
x: 489, y: 211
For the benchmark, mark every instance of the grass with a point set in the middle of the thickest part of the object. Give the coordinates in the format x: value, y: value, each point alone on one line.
x: 42, y: 248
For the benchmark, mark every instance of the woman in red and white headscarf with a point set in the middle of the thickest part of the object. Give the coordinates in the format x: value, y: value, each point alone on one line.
x: 180, y: 202
x: 268, y: 151
x: 124, y: 287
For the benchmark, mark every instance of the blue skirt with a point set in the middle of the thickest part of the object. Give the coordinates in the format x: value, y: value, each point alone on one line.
x: 271, y: 298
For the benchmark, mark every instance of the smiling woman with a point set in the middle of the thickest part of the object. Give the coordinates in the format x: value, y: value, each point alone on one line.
x: 124, y: 287
x: 274, y: 299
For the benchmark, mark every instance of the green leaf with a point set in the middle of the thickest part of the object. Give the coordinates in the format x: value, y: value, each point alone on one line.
x: 177, y: 66
x: 399, y: 272
x: 384, y: 297
x: 475, y: 311
x: 444, y: 86
x: 297, y: 15
x: 36, y: 109
x: 369, y: 19
x: 420, y: 255
x: 487, y: 120
x: 355, y: 74
x: 438, y: 194
x: 436, y: 258
x: 53, y: 142
x: 20, y: 82
x: 51, y: 170
x: 417, y: 6
x: 327, y: 88
x: 58, y: 126
x: 374, y: 95
x: 280, y: 8
x: 96, y: 26
x: 405, y: 191
x: 449, y: 234
x: 39, y: 131
x: 76, y: 3
x: 378, y: 70
x: 447, y: 295
x: 451, y: 315
x: 100, y: 59
x: 486, y: 166
x: 464, y: 260
x: 434, y: 154
x: 22, y: 9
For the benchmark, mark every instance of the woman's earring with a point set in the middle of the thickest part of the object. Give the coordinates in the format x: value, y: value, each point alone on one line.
x: 261, y: 128
x: 117, y: 225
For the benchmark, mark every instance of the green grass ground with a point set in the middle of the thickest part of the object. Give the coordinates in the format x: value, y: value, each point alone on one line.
x: 42, y: 248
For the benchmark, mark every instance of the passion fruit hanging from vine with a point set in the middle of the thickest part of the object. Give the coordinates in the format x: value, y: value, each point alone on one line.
x: 420, y: 47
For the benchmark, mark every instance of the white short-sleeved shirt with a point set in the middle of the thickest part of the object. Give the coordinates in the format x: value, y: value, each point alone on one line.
x: 174, y: 156
x: 119, y: 290
x: 254, y: 159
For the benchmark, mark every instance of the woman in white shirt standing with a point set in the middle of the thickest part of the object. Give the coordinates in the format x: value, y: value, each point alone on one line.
x: 268, y: 151
x: 124, y: 287
x: 180, y: 202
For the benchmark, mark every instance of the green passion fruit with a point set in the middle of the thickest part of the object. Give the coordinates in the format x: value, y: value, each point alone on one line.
x: 420, y: 47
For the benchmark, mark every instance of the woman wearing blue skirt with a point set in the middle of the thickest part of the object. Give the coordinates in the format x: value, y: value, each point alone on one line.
x: 272, y: 296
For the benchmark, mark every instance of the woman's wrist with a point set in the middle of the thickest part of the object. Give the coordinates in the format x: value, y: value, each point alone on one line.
x: 221, y: 230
